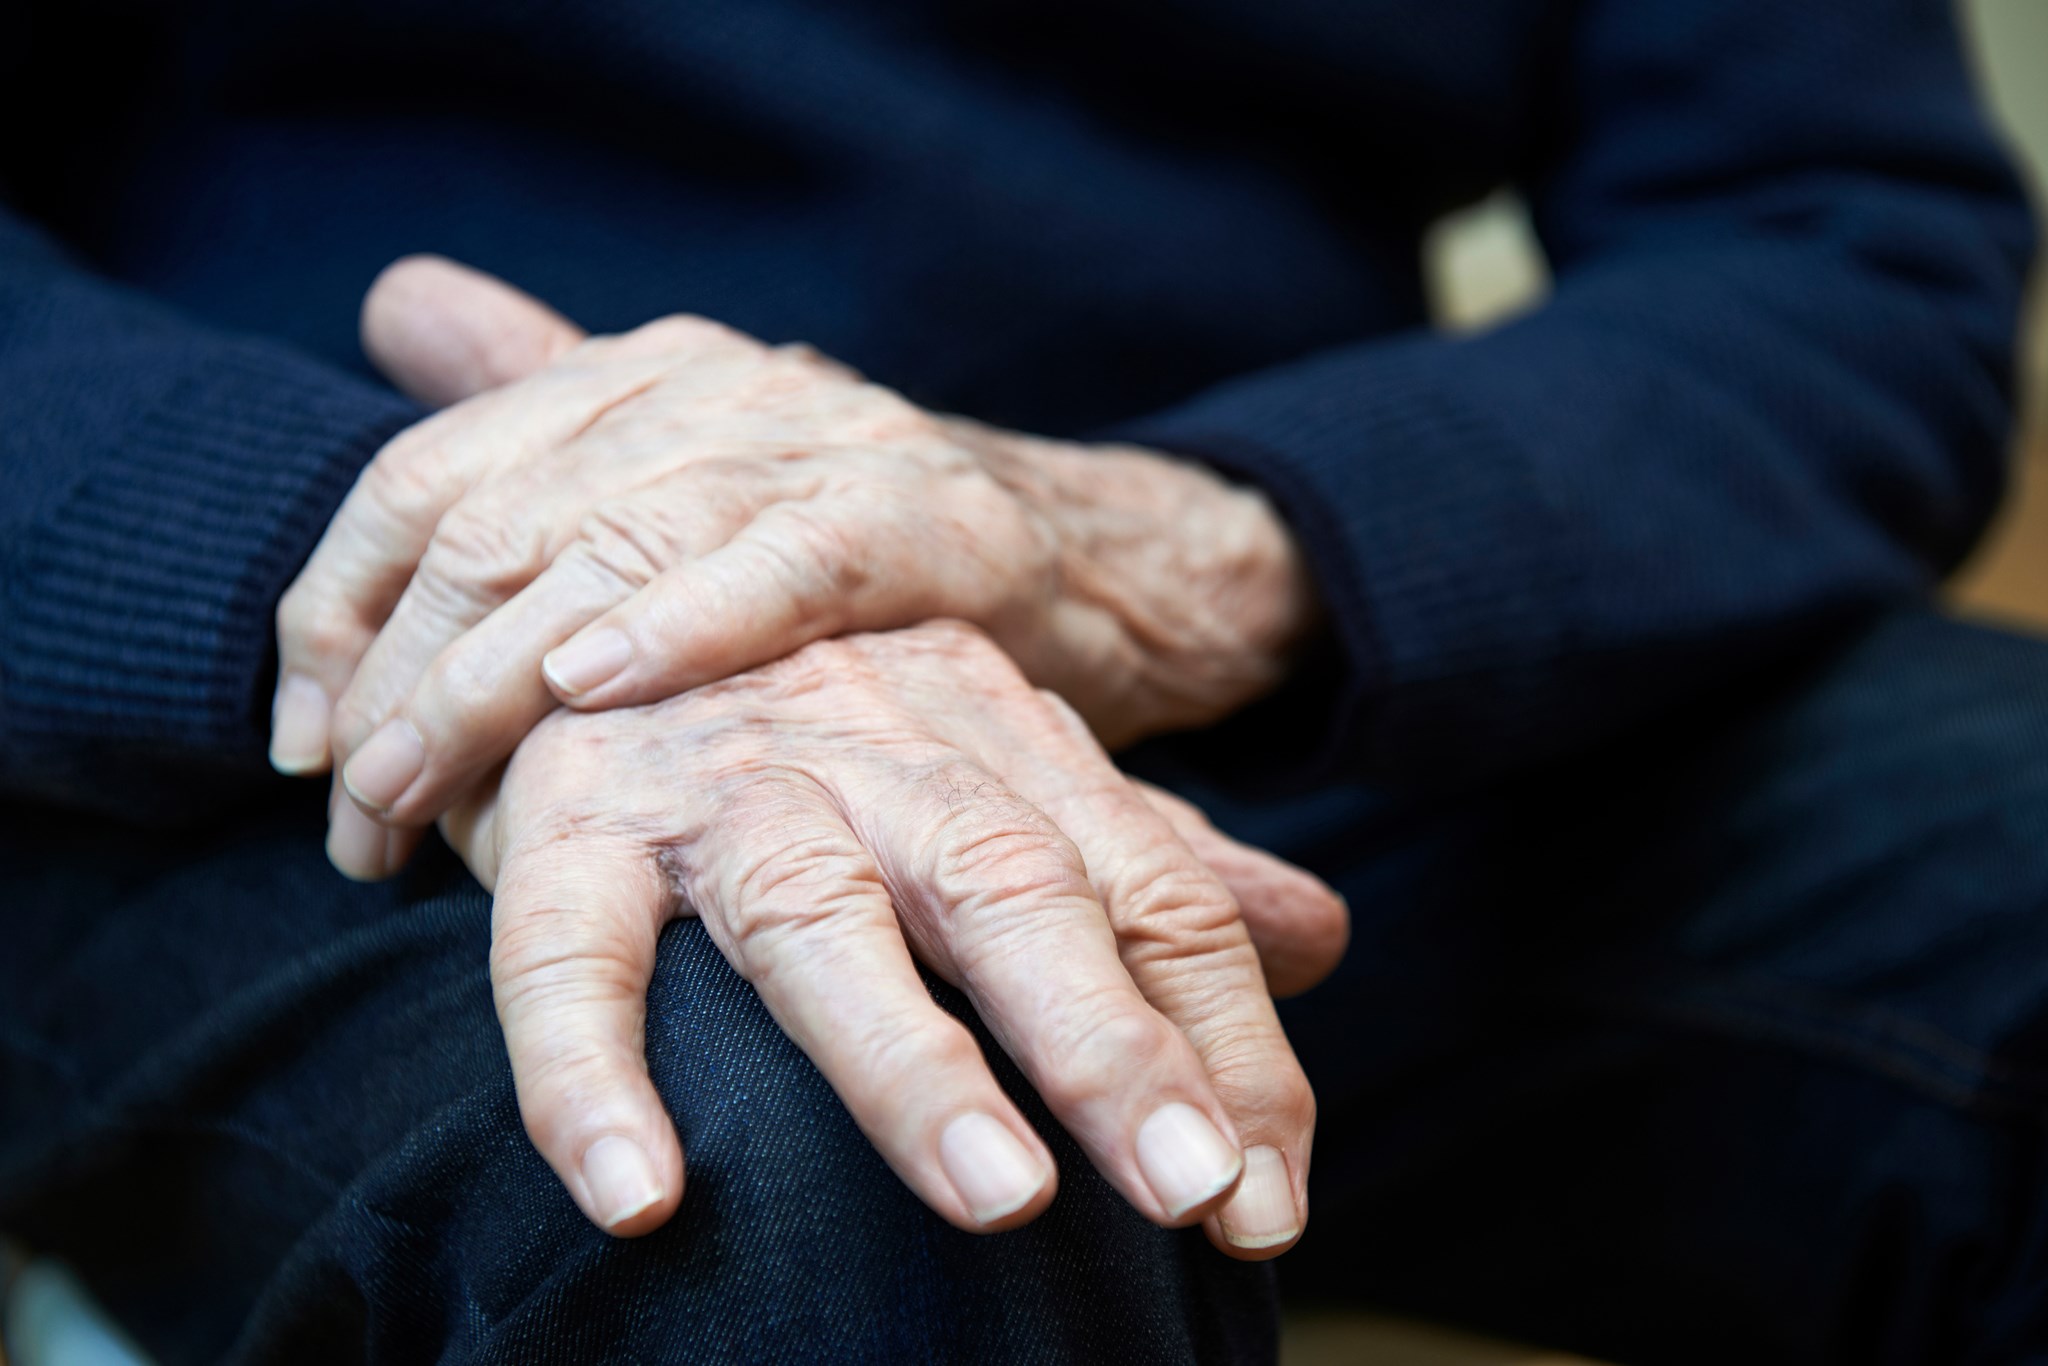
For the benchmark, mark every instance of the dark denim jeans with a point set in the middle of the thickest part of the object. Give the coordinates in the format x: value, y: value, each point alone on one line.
x: 1729, y: 1043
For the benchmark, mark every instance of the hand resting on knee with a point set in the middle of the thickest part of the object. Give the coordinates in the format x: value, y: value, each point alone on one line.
x: 795, y: 749
x: 830, y: 815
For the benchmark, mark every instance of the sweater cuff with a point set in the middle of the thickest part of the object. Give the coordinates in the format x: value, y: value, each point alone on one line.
x: 1431, y: 537
x: 143, y: 612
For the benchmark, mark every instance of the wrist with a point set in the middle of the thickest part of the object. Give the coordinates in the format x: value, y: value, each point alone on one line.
x: 1207, y: 588
x: 1236, y: 602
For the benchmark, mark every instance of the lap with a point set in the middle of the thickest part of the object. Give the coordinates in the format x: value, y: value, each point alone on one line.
x: 1728, y: 1043
x: 268, y: 1113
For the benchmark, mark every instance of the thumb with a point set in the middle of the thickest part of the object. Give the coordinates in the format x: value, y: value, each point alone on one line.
x: 1297, y: 922
x: 441, y: 331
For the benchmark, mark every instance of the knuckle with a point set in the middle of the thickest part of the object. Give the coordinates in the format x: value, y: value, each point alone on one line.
x: 690, y: 331
x: 802, y: 885
x: 354, y: 719
x: 565, y: 943
x: 308, y: 627
x: 404, y: 481
x: 997, y: 862
x: 628, y: 541
x: 886, y: 418
x: 968, y: 650
x: 562, y: 1088
x: 815, y: 364
x: 822, y: 556
x: 555, y: 963
x: 483, y: 555
x: 909, y: 1048
x: 1096, y: 1053
x: 1274, y: 1094
x: 1297, y: 1102
x: 461, y: 685
x: 1167, y: 898
x: 1062, y: 719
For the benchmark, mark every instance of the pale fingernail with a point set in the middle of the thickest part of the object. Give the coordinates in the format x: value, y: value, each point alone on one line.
x: 994, y: 1173
x: 299, y: 719
x: 620, y: 1180
x: 1261, y: 1210
x: 379, y: 773
x: 357, y: 845
x: 1185, y: 1160
x: 588, y: 661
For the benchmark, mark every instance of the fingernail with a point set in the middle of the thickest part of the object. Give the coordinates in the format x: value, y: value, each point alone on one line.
x: 298, y: 725
x: 620, y: 1180
x: 994, y: 1173
x: 588, y: 661
x: 1185, y: 1161
x: 357, y: 845
x: 378, y: 774
x: 1261, y: 1210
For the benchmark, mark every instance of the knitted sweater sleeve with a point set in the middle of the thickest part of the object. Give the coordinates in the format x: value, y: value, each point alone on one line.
x: 159, y: 485
x: 1769, y: 394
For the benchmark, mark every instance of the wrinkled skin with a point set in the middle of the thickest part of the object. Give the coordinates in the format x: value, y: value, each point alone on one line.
x: 681, y: 502
x: 830, y: 804
x: 866, y: 800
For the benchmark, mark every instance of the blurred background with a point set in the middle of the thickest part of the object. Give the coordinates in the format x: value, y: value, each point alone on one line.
x: 1484, y: 265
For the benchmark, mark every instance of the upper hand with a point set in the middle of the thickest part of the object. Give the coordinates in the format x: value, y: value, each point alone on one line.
x: 830, y: 815
x: 668, y: 507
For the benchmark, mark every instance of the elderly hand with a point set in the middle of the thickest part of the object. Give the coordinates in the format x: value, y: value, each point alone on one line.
x: 830, y: 815
x: 661, y: 509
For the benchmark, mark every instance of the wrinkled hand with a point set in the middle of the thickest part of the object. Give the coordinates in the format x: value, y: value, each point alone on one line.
x: 829, y: 816
x: 657, y: 510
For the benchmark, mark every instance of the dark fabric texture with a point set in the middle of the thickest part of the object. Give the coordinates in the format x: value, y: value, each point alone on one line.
x: 1728, y: 1042
x: 1769, y: 396
x: 268, y: 1115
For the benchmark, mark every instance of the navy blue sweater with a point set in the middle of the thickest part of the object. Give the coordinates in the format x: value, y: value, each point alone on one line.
x: 1769, y: 394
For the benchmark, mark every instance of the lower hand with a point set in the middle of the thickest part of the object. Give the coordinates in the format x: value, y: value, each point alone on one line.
x: 866, y: 801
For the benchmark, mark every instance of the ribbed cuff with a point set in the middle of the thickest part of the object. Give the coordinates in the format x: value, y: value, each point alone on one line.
x: 1430, y: 536
x: 141, y: 611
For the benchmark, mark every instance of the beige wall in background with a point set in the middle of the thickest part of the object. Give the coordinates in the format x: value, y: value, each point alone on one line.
x: 2008, y: 577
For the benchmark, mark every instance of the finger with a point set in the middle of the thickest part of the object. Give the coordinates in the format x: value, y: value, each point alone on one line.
x: 368, y: 559
x: 996, y: 898
x: 1185, y: 945
x: 333, y: 609
x: 573, y: 931
x: 1298, y: 922
x: 374, y: 752
x: 355, y: 577
x: 441, y: 331
x: 800, y: 909
x: 785, y: 580
x: 485, y: 689
x: 470, y: 828
x: 358, y: 847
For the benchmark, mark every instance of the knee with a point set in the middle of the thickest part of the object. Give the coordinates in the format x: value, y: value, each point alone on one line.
x: 793, y: 1237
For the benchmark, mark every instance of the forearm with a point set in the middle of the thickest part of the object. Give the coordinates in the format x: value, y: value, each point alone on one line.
x: 1768, y: 398
x: 162, y: 482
